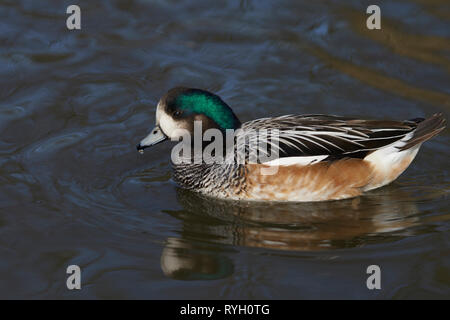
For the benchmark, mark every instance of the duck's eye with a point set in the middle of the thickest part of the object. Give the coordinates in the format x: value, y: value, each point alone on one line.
x: 177, y: 113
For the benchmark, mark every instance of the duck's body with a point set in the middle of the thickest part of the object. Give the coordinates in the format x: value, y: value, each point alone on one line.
x: 318, y: 157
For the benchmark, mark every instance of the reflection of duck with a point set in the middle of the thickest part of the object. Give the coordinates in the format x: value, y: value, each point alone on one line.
x: 289, y: 226
x: 315, y: 157
x: 210, y: 224
x: 183, y: 260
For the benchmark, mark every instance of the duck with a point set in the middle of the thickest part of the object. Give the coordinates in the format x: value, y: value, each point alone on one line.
x: 300, y: 158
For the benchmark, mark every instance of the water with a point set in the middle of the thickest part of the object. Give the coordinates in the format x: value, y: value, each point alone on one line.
x: 73, y: 189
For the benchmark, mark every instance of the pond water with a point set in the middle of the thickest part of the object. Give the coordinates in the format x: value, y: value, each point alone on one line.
x: 73, y: 189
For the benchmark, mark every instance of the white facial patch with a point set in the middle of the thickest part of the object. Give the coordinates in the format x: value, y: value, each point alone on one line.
x: 171, y: 128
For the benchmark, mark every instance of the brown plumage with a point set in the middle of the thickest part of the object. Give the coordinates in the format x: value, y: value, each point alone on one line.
x: 327, y: 180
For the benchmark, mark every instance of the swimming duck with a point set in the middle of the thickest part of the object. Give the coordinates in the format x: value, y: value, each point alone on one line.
x: 318, y: 157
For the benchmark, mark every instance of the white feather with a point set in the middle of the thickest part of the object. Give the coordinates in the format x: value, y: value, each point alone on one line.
x: 386, y: 159
x: 289, y: 161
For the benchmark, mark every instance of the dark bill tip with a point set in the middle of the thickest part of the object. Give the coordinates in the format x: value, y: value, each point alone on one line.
x: 139, y: 147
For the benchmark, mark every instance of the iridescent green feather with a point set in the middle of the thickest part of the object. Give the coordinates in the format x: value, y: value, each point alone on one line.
x: 209, y: 105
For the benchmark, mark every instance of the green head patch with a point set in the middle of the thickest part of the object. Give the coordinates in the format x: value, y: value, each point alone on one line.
x: 211, y: 105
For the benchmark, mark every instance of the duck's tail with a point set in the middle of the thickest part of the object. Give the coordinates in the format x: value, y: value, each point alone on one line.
x: 426, y: 129
x: 389, y: 162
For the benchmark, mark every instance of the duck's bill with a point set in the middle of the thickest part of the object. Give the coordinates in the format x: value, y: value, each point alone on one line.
x: 156, y: 136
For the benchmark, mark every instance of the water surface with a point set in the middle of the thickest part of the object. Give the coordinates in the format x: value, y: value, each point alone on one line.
x: 73, y: 189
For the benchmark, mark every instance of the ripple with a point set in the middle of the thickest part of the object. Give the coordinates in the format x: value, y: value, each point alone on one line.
x: 54, y: 144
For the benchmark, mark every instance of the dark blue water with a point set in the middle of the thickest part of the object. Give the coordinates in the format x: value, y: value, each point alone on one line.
x: 73, y: 189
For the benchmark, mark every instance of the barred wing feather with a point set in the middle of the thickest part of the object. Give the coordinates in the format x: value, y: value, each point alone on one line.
x: 323, y: 135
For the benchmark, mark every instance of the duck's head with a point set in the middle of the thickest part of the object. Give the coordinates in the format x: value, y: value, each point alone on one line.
x: 180, y: 107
